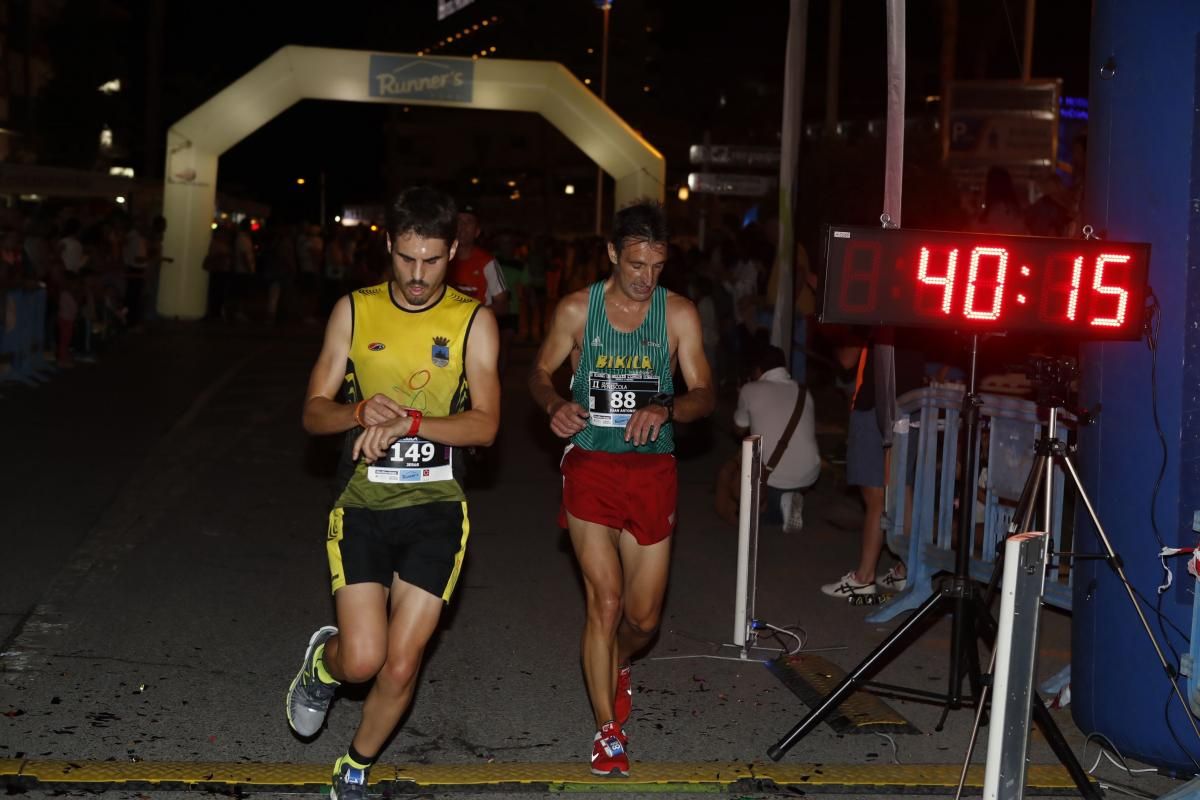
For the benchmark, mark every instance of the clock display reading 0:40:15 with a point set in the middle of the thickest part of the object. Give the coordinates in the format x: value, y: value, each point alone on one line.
x: 980, y: 282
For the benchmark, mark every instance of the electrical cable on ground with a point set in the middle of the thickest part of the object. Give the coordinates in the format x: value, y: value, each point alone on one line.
x: 895, y: 747
x: 1123, y: 765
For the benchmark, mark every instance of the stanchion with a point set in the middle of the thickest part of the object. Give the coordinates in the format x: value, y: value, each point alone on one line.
x: 1015, y: 661
x: 747, y: 554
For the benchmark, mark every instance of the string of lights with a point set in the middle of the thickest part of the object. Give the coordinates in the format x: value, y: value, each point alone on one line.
x: 479, y: 27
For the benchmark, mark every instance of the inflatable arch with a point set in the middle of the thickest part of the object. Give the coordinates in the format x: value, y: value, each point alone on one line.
x: 196, y: 142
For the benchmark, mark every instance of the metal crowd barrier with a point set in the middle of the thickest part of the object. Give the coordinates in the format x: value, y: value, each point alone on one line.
x: 928, y: 419
x: 23, y: 336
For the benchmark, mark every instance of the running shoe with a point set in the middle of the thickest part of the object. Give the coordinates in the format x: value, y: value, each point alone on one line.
x: 623, y: 702
x: 848, y: 586
x: 350, y: 783
x: 608, y: 752
x: 308, y: 697
x: 892, y: 581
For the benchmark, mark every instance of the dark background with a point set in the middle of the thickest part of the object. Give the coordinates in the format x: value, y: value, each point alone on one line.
x: 677, y: 68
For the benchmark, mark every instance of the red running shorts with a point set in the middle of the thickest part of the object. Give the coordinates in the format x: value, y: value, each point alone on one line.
x: 627, y: 491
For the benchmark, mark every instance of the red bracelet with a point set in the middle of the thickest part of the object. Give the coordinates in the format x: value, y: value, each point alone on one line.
x: 415, y: 416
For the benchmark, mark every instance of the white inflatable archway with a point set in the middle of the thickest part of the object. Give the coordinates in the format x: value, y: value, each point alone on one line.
x: 293, y: 73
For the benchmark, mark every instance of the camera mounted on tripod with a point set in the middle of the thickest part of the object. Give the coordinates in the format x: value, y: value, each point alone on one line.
x: 1052, y: 378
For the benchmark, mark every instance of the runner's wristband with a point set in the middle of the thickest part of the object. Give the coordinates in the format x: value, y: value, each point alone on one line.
x: 358, y: 409
x: 415, y: 416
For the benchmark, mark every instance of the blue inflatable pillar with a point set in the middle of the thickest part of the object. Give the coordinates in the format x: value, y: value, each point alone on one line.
x: 1143, y: 184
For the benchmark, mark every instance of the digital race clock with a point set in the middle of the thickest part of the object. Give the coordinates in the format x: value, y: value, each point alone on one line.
x: 983, y: 282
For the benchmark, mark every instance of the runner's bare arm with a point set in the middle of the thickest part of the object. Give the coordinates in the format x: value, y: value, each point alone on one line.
x: 683, y: 322
x: 566, y: 417
x: 323, y: 414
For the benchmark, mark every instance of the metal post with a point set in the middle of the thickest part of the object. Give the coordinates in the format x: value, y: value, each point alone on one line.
x: 606, y: 9
x: 1016, y: 659
x: 1027, y: 57
x: 747, y: 551
x: 893, y: 179
x: 833, y: 60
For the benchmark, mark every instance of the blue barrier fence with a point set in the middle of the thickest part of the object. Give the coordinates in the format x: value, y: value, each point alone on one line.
x: 23, y: 337
x: 1004, y: 446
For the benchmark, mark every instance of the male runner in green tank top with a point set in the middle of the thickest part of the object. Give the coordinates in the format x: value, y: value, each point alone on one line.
x: 625, y: 335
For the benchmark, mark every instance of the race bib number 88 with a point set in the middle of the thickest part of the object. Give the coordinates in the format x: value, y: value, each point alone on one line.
x: 413, y: 460
x: 612, y: 399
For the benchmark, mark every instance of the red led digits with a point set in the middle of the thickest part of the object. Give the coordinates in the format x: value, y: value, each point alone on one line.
x: 946, y: 281
x: 1098, y: 285
x: 860, y: 276
x: 979, y: 282
x: 969, y: 310
x: 1076, y: 279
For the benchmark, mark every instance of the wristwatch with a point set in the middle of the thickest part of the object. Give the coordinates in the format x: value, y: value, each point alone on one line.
x: 667, y: 401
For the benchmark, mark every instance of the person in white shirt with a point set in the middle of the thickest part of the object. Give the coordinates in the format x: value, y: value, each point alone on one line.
x: 765, y: 405
x: 70, y: 249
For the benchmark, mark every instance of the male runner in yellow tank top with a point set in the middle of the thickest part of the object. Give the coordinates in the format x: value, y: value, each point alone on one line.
x: 408, y: 373
x: 625, y: 335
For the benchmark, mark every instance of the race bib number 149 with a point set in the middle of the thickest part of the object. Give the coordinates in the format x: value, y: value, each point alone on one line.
x: 413, y: 460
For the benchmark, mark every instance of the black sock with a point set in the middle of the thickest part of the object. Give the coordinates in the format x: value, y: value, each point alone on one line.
x: 354, y: 759
x: 359, y: 759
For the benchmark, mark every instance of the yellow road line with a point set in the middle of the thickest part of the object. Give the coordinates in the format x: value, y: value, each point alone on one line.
x: 565, y: 776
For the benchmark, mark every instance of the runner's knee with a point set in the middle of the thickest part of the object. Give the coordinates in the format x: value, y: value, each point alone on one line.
x: 401, y: 670
x: 605, y: 608
x: 643, y: 621
x: 360, y: 661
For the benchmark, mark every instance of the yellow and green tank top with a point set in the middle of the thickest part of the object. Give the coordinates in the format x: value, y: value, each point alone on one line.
x: 621, y: 372
x: 415, y: 357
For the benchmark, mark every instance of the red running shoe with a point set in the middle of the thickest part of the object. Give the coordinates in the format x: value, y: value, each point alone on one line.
x: 623, y: 702
x: 608, y: 752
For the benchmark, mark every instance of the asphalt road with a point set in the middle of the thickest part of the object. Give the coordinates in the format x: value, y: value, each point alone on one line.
x: 164, y: 517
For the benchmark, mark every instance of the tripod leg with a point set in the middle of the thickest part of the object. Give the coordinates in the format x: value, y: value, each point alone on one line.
x: 980, y: 705
x: 1054, y: 737
x: 1022, y: 522
x: 856, y: 677
x: 964, y: 648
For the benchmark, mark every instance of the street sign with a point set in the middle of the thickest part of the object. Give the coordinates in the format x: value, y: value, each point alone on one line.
x: 734, y: 155
x: 1001, y: 123
x: 731, y: 184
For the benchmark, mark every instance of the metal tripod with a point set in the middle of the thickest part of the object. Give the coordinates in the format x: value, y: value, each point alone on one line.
x: 970, y: 617
x: 1052, y: 380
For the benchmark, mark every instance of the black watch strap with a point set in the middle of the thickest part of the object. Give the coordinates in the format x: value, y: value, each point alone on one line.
x: 666, y: 401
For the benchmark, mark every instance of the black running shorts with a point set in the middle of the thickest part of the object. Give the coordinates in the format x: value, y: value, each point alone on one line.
x: 422, y: 545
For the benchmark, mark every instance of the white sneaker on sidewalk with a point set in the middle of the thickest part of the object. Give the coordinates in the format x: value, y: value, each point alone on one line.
x: 848, y: 586
x: 892, y: 581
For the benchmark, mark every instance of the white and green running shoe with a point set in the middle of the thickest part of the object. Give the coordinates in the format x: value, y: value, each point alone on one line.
x: 308, y: 697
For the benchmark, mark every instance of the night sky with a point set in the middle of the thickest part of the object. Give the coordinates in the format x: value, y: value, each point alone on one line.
x: 706, y: 69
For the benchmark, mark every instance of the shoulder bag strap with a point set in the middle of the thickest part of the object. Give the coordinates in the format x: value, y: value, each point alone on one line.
x: 797, y: 412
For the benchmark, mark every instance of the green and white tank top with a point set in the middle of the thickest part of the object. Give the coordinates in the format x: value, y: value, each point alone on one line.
x: 619, y: 373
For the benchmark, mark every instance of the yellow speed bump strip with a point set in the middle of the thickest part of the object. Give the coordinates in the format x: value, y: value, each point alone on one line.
x: 20, y: 774
x: 812, y: 679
